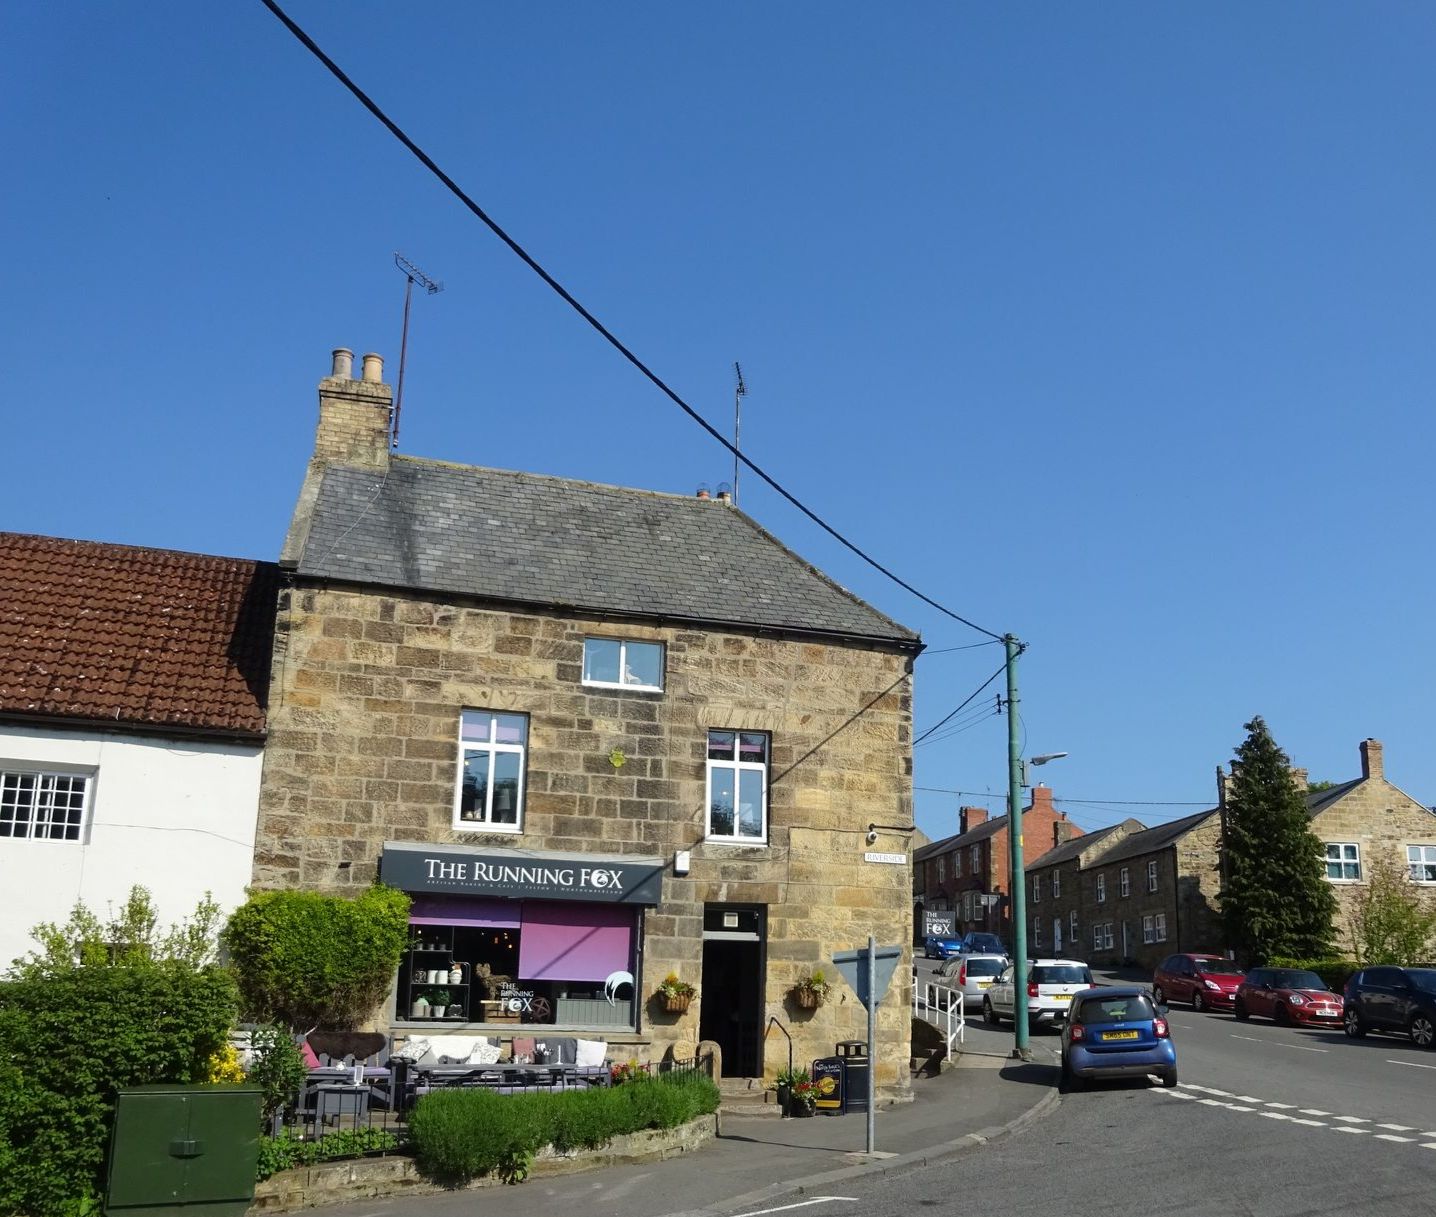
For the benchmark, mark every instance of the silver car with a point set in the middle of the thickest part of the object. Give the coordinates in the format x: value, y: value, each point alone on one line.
x: 1050, y: 986
x: 972, y: 976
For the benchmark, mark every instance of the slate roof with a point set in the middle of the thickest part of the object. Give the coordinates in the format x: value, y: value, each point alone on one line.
x: 1070, y: 848
x: 529, y: 539
x: 988, y: 828
x: 1318, y: 801
x: 119, y: 635
x: 1153, y: 838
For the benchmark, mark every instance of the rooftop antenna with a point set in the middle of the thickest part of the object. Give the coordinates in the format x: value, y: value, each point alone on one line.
x: 411, y: 273
x: 740, y: 391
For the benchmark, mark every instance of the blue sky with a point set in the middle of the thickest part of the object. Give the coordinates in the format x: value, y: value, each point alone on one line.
x: 1107, y: 326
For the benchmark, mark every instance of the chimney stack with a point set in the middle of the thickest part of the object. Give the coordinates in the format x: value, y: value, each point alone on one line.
x: 1041, y: 799
x: 1371, y: 764
x: 969, y: 818
x: 354, y: 415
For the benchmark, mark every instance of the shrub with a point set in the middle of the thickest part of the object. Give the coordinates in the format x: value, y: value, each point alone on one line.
x: 1335, y: 971
x: 68, y: 1041
x: 277, y: 1069
x: 461, y: 1134
x: 310, y: 960
x: 291, y: 1149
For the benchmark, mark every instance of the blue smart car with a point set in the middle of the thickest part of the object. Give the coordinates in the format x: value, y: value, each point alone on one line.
x: 1116, y: 1033
x: 940, y: 946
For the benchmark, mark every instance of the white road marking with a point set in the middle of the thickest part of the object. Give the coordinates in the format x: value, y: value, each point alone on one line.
x: 1431, y: 1145
x: 1308, y: 1123
x: 1352, y: 1119
x: 1251, y: 1039
x: 1397, y: 1127
x: 1283, y: 1106
x: 801, y: 1204
x: 1247, y: 1098
x: 1413, y: 1064
x: 1386, y: 1136
x: 1275, y: 1115
x: 1360, y: 1132
x: 1314, y: 1111
x: 1239, y: 1107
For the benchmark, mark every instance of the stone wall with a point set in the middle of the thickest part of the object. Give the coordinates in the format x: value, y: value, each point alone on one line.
x: 364, y: 719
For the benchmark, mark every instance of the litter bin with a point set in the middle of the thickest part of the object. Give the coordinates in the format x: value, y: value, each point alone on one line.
x: 190, y: 1147
x: 854, y: 1055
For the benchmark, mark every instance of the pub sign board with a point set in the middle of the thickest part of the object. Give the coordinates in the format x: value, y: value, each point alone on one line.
x: 521, y: 874
x: 828, y: 1076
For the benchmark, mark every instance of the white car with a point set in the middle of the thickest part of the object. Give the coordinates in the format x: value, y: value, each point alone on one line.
x: 972, y: 976
x: 1050, y: 986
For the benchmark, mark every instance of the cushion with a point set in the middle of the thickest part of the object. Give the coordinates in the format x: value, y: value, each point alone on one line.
x: 486, y: 1052
x: 414, y: 1048
x: 311, y: 1058
x: 590, y: 1052
x: 462, y: 1049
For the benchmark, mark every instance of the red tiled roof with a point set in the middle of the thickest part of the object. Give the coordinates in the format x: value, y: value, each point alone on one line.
x: 138, y: 637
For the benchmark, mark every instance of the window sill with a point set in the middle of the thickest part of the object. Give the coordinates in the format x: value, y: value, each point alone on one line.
x: 611, y: 688
x: 739, y: 842
x: 507, y: 830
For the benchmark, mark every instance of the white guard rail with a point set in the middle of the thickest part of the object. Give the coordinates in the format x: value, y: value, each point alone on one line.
x: 943, y: 1007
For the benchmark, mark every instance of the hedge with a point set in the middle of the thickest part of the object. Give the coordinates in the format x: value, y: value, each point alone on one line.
x: 1334, y: 970
x: 461, y: 1134
x: 68, y: 1042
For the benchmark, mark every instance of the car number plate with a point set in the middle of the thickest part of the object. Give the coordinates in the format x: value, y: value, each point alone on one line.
x: 1062, y: 997
x: 984, y: 984
x: 1118, y: 1035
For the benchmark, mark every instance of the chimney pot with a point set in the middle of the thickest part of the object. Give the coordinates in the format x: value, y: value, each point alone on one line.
x: 373, y: 368
x: 1371, y: 762
x: 343, y: 364
x: 703, y: 493
x: 724, y: 497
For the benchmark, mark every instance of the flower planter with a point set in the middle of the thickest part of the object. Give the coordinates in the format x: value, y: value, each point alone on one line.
x: 807, y: 999
x: 678, y: 1004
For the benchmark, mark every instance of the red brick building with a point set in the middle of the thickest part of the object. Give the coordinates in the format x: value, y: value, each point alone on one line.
x: 967, y: 874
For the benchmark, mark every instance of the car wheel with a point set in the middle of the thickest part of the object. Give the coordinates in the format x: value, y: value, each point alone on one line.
x: 1199, y: 1003
x: 1281, y: 1016
x: 988, y: 1013
x: 1423, y: 1031
x: 1240, y: 1011
x: 1069, y: 1082
x: 1158, y: 995
x: 1169, y: 1078
x: 1355, y: 1028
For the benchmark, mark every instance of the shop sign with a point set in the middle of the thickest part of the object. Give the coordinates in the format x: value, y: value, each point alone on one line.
x: 828, y: 1077
x: 516, y: 874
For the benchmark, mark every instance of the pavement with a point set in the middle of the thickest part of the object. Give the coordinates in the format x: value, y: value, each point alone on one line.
x: 754, y: 1161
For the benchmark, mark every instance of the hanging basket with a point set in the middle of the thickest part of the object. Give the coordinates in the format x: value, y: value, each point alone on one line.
x: 677, y: 1004
x: 807, y: 999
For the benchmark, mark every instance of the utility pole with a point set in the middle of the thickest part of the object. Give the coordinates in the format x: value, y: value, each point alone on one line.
x: 740, y: 391
x: 1017, y: 880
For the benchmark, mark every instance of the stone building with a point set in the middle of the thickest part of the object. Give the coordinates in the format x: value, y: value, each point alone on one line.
x: 600, y: 735
x: 967, y: 874
x: 1057, y: 903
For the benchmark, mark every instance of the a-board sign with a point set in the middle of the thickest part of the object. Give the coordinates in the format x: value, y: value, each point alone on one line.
x: 827, y: 1074
x: 939, y: 924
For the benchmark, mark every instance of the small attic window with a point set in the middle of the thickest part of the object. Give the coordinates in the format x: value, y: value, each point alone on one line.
x: 620, y: 663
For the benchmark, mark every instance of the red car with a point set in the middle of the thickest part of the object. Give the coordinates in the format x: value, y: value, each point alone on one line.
x: 1288, y: 995
x: 1207, y: 981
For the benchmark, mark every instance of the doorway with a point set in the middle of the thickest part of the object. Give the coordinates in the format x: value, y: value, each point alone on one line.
x: 734, y: 942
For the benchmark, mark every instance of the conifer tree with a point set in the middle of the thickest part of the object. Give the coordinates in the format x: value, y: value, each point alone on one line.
x: 1275, y: 898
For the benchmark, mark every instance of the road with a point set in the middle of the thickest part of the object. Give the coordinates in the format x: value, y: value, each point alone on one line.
x: 1267, y: 1120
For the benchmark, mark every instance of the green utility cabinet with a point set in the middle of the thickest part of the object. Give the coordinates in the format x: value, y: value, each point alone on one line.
x: 190, y: 1148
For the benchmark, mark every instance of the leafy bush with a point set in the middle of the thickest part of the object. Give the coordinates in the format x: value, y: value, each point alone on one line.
x: 69, y: 1040
x: 461, y: 1134
x: 277, y: 1069
x: 310, y: 960
x: 1335, y: 971
x: 1392, y: 920
x: 290, y: 1149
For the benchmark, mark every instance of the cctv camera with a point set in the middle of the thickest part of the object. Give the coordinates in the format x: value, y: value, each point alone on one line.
x: 872, y: 836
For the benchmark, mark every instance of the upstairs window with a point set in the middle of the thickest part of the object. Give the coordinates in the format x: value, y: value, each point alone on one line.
x: 1124, y: 882
x: 43, y: 806
x: 1036, y: 889
x: 1152, y: 876
x: 1056, y: 885
x: 1102, y: 889
x: 941, y: 869
x: 975, y: 859
x: 1343, y: 862
x: 491, y: 771
x: 1422, y: 861
x: 620, y: 663
x: 738, y: 787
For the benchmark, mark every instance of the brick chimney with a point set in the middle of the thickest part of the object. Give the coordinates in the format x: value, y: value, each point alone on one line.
x: 969, y: 818
x: 1371, y: 765
x: 1063, y: 830
x: 1041, y: 799
x: 354, y: 415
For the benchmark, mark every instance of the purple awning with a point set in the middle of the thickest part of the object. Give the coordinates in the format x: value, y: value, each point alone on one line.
x: 575, y: 941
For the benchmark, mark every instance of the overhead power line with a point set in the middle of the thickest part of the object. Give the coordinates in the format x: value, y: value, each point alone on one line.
x: 967, y: 701
x: 974, y: 794
x: 428, y: 162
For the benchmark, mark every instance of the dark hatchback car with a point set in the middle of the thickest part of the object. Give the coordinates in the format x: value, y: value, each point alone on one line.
x: 1399, y: 1000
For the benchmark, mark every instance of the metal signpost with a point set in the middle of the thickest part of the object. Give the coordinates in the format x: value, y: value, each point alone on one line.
x: 869, y: 972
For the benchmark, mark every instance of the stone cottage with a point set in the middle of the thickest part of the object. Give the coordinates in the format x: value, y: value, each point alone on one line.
x: 600, y: 735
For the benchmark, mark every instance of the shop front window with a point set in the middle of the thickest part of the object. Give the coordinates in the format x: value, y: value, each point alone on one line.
x: 518, y: 962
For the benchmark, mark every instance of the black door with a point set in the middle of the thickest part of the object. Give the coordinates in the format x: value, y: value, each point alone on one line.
x: 732, y: 988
